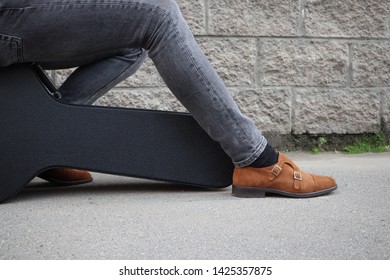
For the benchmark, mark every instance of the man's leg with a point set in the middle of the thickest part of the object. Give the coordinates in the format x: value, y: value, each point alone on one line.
x: 89, y: 82
x: 91, y: 28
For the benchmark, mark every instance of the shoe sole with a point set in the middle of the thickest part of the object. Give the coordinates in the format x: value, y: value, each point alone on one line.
x: 254, y: 192
x: 60, y: 183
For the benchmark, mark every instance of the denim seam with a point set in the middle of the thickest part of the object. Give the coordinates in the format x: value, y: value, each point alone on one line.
x: 17, y: 43
x: 259, y: 150
x: 19, y: 48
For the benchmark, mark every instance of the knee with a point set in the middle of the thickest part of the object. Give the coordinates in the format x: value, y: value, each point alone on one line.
x: 166, y: 20
x: 168, y: 7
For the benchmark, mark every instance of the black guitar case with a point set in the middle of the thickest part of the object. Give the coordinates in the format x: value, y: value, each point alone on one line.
x: 38, y: 132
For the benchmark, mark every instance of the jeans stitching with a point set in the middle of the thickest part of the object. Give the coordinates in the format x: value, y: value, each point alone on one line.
x: 16, y: 42
x: 259, y: 149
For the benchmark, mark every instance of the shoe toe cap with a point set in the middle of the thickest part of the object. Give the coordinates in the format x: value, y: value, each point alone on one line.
x: 324, y: 182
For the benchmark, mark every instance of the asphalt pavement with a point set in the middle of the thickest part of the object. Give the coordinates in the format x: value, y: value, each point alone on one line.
x: 125, y: 218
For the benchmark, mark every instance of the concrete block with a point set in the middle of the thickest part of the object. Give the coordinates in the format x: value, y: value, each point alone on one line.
x: 371, y: 64
x: 234, y: 59
x: 195, y: 14
x: 269, y: 108
x: 146, y: 76
x: 153, y: 98
x: 347, y: 18
x: 254, y: 18
x: 386, y: 110
x: 61, y: 75
x: 302, y: 63
x: 327, y: 111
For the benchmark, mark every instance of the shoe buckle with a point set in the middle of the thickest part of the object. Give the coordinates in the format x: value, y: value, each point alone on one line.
x: 297, y: 176
x: 276, y: 170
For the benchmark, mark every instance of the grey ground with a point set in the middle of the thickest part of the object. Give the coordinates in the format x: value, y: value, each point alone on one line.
x: 124, y: 218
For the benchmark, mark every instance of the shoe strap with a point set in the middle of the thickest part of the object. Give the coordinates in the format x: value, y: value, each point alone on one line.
x: 278, y: 169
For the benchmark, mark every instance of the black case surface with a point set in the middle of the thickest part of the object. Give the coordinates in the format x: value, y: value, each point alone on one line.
x: 38, y: 132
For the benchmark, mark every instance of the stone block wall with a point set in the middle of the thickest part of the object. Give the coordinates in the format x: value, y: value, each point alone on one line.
x: 294, y: 66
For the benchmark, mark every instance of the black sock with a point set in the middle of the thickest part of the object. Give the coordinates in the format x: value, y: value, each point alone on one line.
x: 267, y: 158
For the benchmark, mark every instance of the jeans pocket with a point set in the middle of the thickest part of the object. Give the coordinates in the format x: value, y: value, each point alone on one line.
x: 10, y: 50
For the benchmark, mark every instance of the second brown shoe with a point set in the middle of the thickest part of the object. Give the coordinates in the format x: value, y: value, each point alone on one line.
x: 66, y: 176
x: 283, y: 178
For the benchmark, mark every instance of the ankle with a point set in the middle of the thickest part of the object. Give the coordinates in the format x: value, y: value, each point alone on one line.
x: 267, y: 158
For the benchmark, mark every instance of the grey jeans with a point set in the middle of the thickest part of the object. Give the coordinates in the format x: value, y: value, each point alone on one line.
x: 108, y: 40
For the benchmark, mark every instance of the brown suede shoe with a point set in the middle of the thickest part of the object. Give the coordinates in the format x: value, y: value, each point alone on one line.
x: 283, y: 178
x: 66, y: 176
